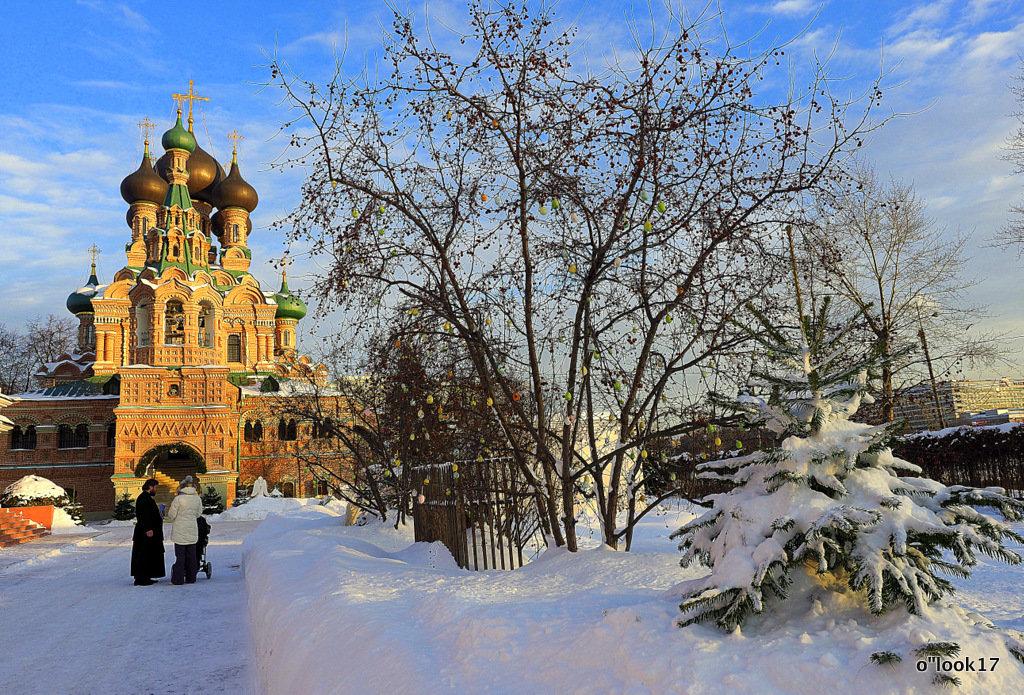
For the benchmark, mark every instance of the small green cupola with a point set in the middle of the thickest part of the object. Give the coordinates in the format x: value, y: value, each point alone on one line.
x: 80, y: 301
x: 288, y: 305
x: 177, y: 138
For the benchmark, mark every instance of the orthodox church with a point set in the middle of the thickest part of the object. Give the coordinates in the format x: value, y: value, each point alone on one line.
x: 184, y: 361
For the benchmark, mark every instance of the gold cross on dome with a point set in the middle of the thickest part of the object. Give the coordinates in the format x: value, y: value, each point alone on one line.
x: 93, y: 251
x: 189, y: 96
x: 146, y: 125
x: 284, y: 262
x: 234, y: 137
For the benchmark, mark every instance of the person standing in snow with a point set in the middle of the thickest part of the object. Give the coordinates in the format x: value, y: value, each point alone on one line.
x: 148, y: 538
x: 184, y: 511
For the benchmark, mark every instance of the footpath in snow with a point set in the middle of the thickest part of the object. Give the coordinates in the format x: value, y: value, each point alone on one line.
x: 74, y: 623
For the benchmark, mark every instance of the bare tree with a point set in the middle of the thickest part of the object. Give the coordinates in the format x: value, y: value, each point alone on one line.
x: 586, y: 233
x: 876, y: 248
x: 1012, y: 234
x: 51, y: 336
x: 23, y: 352
x: 15, y: 363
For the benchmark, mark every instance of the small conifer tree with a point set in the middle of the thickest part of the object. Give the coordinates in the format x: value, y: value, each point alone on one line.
x: 124, y: 509
x: 829, y: 499
x: 212, y: 502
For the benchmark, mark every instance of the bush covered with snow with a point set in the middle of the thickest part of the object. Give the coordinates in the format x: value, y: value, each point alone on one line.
x: 829, y: 504
x: 34, y: 491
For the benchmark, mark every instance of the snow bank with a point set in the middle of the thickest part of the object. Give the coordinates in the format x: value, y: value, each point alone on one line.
x: 64, y: 524
x: 259, y: 508
x: 337, y: 609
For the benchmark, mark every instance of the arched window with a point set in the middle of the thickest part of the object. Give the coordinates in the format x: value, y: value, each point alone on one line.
x: 145, y: 225
x: 65, y: 437
x: 234, y: 348
x: 111, y: 434
x: 206, y: 324
x: 288, y: 489
x: 82, y: 436
x: 322, y: 430
x: 16, y: 437
x: 286, y: 430
x: 143, y: 323
x: 253, y: 431
x: 28, y: 438
x: 174, y: 323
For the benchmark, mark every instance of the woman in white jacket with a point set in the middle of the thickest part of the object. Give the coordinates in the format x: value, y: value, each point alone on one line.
x: 185, y: 509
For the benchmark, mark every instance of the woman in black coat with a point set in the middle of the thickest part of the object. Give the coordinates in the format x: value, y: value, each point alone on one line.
x: 148, y: 539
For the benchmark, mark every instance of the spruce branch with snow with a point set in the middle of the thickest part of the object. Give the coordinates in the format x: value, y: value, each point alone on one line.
x: 830, y: 499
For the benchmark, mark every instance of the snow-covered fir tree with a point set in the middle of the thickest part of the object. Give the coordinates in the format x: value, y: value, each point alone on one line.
x: 831, y: 499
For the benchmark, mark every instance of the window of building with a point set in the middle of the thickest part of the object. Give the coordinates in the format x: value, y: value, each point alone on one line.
x: 143, y: 322
x: 16, y: 437
x: 65, y: 437
x: 287, y: 430
x: 253, y: 431
x: 288, y: 488
x: 321, y: 488
x: 111, y: 434
x: 234, y: 348
x: 205, y: 325
x: 322, y: 430
x: 174, y: 323
x: 82, y: 436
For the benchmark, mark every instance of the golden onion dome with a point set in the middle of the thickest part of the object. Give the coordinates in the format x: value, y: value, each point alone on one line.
x: 235, y: 192
x: 144, y: 184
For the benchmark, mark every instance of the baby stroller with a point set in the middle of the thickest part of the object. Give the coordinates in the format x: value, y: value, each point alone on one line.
x: 204, y: 540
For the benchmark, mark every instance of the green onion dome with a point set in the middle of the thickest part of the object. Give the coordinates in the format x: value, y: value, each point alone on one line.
x: 177, y: 138
x: 80, y: 301
x: 235, y: 192
x: 288, y: 305
x: 144, y: 183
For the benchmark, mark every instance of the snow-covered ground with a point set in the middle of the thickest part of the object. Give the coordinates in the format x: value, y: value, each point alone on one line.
x: 335, y: 609
x: 72, y: 622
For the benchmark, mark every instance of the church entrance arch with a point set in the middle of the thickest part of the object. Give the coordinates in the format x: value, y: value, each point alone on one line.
x: 175, y: 460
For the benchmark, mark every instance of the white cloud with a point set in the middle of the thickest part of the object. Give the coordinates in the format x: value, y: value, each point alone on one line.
x: 919, y: 46
x: 996, y: 45
x: 925, y: 15
x: 794, y: 6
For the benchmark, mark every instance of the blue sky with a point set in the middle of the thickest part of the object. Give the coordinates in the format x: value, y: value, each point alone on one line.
x: 79, y: 76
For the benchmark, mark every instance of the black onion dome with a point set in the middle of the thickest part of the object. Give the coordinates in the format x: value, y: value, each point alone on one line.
x: 143, y: 184
x: 202, y: 170
x: 206, y: 194
x: 217, y: 223
x: 235, y: 192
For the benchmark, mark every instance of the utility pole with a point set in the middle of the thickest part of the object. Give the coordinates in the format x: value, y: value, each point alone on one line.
x: 931, y: 373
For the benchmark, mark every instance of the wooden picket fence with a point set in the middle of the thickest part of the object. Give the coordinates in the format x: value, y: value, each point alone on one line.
x: 482, y: 511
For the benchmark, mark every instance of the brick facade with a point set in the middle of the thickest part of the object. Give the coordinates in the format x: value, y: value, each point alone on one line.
x: 84, y: 470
